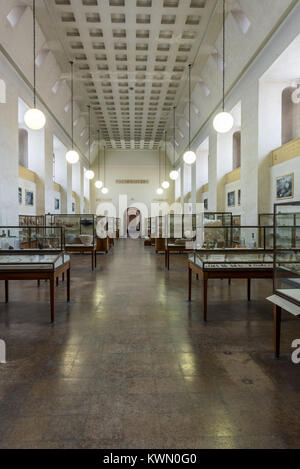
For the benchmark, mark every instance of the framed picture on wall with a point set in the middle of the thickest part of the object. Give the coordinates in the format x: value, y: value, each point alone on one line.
x: 73, y: 206
x: 56, y: 204
x: 29, y: 198
x: 205, y: 202
x: 285, y: 186
x: 20, y: 195
x: 239, y: 197
x: 231, y: 199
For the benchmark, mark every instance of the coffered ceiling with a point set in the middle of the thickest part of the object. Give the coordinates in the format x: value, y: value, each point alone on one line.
x: 130, y: 57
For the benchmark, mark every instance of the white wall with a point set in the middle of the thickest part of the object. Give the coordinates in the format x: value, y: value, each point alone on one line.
x: 132, y: 164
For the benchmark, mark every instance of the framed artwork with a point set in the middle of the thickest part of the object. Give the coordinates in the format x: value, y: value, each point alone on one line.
x: 73, y: 206
x: 29, y: 198
x: 20, y: 195
x: 56, y: 204
x: 285, y: 187
x: 231, y: 199
x: 239, y: 197
x: 205, y: 202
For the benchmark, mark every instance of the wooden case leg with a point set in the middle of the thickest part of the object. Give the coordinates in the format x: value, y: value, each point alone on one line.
x: 6, y: 291
x: 277, y: 330
x: 93, y: 261
x: 190, y: 283
x: 249, y: 289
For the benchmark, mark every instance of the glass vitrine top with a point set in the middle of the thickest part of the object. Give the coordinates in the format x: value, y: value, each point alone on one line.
x: 230, y: 260
x: 24, y: 262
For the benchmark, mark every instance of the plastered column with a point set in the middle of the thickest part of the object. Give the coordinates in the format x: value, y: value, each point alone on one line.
x: 9, y: 157
x: 212, y: 171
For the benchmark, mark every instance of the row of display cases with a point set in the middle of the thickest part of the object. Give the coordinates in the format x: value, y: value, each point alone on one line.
x: 184, y: 226
x: 76, y: 228
x: 245, y: 248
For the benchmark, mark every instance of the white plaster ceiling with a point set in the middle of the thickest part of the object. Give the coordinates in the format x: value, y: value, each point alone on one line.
x: 130, y: 58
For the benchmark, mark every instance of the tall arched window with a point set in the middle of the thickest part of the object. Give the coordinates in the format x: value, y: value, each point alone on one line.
x: 290, y: 116
x: 23, y: 148
x: 236, y: 150
x: 2, y: 92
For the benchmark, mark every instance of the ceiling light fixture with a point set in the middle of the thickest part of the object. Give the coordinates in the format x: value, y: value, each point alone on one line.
x: 174, y: 173
x: 98, y: 183
x: 189, y: 156
x: 223, y: 122
x: 72, y: 155
x: 89, y: 174
x: 34, y: 118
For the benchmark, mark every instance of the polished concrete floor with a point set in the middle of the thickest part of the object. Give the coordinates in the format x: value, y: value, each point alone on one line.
x: 130, y: 364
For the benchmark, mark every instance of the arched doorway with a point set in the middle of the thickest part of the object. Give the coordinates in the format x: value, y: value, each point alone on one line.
x: 133, y: 222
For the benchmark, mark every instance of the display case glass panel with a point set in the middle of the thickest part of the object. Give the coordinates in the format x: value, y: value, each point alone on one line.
x: 234, y: 237
x: 181, y: 226
x: 232, y: 260
x: 78, y: 229
x: 31, y: 220
x: 22, y: 238
x: 20, y: 261
x: 286, y: 256
x: 220, y: 218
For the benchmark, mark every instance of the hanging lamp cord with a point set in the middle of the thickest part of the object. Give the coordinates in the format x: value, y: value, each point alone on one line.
x: 89, y: 108
x: 190, y: 67
x: 224, y: 52
x: 34, y: 54
x: 99, y: 155
x: 174, y: 135
x: 165, y: 154
x: 72, y: 104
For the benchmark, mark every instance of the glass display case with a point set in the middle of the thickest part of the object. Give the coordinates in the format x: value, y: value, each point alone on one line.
x: 234, y: 237
x: 181, y: 227
x: 78, y: 229
x: 287, y: 261
x: 32, y: 220
x: 236, y: 220
x: 220, y: 218
x: 20, y: 261
x: 232, y: 260
x: 22, y: 238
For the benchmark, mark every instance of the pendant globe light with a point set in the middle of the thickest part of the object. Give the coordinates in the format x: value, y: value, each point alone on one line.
x: 72, y: 156
x: 104, y: 189
x: 34, y: 118
x: 159, y: 191
x: 165, y: 184
x: 98, y: 183
x: 174, y: 174
x: 89, y: 174
x: 223, y: 122
x: 189, y: 157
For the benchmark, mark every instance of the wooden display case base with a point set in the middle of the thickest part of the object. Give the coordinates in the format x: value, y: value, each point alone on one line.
x: 204, y: 276
x: 40, y: 275
x: 82, y: 249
